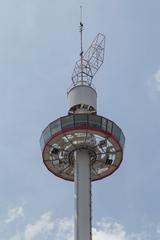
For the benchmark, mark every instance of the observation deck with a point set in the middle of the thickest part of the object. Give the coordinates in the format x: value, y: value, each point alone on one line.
x: 101, y: 137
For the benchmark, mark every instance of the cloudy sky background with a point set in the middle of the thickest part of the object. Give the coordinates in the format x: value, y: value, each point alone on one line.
x: 39, y: 44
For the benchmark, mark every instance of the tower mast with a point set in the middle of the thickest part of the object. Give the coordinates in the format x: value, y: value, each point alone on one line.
x: 83, y: 146
x: 81, y: 40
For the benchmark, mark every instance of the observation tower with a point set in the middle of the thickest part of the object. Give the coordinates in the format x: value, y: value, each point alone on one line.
x: 83, y: 146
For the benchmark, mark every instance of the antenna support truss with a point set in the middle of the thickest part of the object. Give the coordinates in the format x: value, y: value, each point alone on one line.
x: 93, y: 58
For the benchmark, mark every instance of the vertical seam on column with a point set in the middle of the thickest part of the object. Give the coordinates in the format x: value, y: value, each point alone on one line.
x: 77, y: 191
x: 90, y: 201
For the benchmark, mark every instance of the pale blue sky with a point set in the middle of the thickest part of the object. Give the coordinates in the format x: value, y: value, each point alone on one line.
x: 39, y: 44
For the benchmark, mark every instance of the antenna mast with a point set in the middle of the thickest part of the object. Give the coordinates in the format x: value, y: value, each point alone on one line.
x: 81, y: 39
x: 90, y: 61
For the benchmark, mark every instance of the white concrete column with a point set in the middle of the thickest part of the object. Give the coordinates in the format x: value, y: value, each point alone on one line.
x: 82, y: 94
x: 82, y: 196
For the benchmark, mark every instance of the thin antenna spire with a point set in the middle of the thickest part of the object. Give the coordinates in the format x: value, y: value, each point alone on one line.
x: 81, y: 36
x: 80, y: 13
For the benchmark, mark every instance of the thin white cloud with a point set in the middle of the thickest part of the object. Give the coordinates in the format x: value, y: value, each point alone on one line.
x: 109, y: 230
x: 158, y: 229
x: 43, y: 225
x: 64, y: 229
x: 106, y: 229
x: 14, y: 214
x: 156, y: 78
x: 46, y: 227
x: 16, y: 237
x: 153, y: 83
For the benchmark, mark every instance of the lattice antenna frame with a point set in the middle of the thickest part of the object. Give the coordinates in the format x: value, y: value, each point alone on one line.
x: 93, y: 58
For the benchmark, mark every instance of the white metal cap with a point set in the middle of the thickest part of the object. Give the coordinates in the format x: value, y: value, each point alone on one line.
x: 82, y: 99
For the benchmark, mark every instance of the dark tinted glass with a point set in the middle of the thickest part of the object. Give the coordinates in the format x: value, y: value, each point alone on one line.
x: 109, y: 126
x: 67, y: 122
x: 104, y: 123
x: 122, y: 139
x: 116, y: 131
x: 42, y: 142
x: 46, y: 134
x: 94, y: 121
x: 55, y: 126
x: 81, y: 119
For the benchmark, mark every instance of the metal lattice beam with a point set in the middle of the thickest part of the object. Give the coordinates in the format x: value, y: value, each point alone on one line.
x: 93, y: 58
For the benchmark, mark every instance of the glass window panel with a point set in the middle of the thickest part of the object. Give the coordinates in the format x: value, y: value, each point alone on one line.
x: 55, y: 126
x: 122, y: 139
x: 104, y: 123
x: 116, y: 131
x: 95, y: 121
x: 42, y: 142
x: 109, y: 126
x: 67, y: 122
x: 81, y: 120
x: 46, y: 134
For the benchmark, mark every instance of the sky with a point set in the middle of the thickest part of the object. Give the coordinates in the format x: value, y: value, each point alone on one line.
x: 39, y: 44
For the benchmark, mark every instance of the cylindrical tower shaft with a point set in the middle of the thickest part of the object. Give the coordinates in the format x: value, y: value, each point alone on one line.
x: 82, y: 196
x: 82, y: 146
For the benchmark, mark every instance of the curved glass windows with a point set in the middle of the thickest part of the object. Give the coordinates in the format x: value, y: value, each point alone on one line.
x: 42, y: 142
x: 104, y: 123
x: 122, y: 139
x: 46, y: 133
x: 81, y: 119
x: 116, y: 131
x: 109, y: 126
x: 67, y: 122
x: 84, y: 121
x: 94, y: 121
x: 55, y: 126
